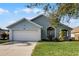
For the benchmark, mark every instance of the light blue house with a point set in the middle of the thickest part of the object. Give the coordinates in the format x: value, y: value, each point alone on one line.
x: 36, y: 29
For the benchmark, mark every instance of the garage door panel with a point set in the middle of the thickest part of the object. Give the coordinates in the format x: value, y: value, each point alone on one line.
x: 26, y: 35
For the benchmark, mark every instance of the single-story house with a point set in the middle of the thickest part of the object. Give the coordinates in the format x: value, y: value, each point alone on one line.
x: 36, y: 29
x: 75, y: 33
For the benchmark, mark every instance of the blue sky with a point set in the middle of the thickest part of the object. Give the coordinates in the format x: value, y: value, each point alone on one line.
x: 10, y: 13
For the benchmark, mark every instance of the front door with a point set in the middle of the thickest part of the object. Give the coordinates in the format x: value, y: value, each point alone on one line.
x: 51, y: 33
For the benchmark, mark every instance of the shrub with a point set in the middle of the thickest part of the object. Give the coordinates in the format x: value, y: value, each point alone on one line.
x: 61, y: 36
x: 72, y: 39
x: 57, y: 40
x: 4, y: 35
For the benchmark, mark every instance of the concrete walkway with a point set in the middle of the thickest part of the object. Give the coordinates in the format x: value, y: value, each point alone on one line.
x: 17, y: 48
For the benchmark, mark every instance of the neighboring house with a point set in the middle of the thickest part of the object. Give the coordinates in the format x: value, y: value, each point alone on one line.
x: 36, y: 29
x: 0, y: 32
x: 75, y: 33
x: 3, y: 30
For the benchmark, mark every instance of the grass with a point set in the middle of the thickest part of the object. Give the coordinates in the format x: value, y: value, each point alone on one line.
x: 67, y: 48
x: 3, y: 41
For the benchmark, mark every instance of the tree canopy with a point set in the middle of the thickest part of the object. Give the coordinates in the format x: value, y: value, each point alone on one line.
x: 58, y: 11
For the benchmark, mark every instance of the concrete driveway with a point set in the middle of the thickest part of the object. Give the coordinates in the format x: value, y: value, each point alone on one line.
x: 17, y: 48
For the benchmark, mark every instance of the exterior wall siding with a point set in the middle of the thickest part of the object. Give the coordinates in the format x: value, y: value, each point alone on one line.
x: 43, y: 21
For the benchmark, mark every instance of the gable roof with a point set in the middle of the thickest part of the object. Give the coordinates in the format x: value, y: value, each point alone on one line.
x: 66, y: 26
x: 38, y: 16
x: 23, y: 20
x: 35, y: 23
x: 47, y: 17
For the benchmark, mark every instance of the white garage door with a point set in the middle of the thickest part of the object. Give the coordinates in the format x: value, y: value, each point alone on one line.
x: 27, y: 35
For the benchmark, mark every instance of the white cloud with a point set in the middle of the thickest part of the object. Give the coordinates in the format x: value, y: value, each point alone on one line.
x: 2, y: 11
x: 16, y: 11
x: 27, y: 10
x: 36, y: 10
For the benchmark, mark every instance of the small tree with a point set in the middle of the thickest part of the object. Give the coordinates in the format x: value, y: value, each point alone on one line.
x: 61, y: 36
x: 3, y: 35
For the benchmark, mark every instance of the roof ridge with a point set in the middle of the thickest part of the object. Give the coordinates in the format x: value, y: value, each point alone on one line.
x: 37, y: 16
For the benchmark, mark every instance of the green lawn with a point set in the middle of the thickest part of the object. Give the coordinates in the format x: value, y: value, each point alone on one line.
x: 67, y: 48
